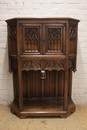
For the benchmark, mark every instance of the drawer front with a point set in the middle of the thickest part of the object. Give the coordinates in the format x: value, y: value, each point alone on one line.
x: 39, y: 64
x: 54, y: 65
x: 54, y: 38
x: 31, y: 34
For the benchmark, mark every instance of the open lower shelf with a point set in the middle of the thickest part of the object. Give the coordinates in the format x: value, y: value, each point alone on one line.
x: 43, y: 107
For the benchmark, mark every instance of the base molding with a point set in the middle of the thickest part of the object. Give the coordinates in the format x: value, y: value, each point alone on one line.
x: 37, y: 110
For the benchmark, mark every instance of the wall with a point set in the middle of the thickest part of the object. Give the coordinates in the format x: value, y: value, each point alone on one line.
x: 44, y: 8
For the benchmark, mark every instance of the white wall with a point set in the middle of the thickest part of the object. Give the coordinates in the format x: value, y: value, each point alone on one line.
x: 44, y: 8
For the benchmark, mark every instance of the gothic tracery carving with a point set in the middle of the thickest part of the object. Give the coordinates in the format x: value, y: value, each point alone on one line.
x: 13, y: 33
x: 54, y: 35
x: 31, y: 65
x: 72, y: 32
x: 32, y: 36
x: 54, y: 65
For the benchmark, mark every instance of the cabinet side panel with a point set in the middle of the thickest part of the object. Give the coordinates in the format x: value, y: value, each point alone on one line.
x: 12, y: 38
x: 73, y: 38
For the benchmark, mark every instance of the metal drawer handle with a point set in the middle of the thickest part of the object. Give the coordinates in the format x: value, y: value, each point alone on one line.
x: 43, y: 74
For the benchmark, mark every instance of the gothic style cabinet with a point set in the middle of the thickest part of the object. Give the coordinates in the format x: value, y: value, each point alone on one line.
x: 42, y: 55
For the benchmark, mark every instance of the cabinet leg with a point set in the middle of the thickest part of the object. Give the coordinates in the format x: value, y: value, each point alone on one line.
x: 70, y: 83
x: 20, y: 88
x: 42, y: 88
x: 66, y: 91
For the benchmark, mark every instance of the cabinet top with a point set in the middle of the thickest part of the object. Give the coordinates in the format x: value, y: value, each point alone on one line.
x: 53, y: 18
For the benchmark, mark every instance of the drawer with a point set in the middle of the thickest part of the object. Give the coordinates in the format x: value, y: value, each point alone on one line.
x: 43, y: 64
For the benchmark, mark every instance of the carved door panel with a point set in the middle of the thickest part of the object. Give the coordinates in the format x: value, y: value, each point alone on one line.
x: 31, y: 38
x: 54, y: 38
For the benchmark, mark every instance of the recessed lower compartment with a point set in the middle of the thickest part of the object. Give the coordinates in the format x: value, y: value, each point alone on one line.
x: 43, y: 97
x: 46, y: 107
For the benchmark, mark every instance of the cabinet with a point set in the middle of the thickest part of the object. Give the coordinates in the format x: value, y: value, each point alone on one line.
x: 42, y: 55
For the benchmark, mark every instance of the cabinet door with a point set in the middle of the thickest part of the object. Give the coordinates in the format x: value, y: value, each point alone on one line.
x: 31, y: 38
x: 54, y: 38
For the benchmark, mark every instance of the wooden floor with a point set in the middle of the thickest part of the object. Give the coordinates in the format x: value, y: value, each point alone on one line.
x: 76, y: 121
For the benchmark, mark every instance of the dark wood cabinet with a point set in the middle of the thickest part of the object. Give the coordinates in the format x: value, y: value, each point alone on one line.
x: 42, y: 55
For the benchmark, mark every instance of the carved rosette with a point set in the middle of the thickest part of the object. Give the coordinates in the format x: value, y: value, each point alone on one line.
x: 31, y: 65
x: 54, y: 65
x: 72, y: 64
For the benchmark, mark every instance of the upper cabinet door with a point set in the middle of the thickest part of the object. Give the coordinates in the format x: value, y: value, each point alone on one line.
x: 31, y: 35
x: 54, y: 38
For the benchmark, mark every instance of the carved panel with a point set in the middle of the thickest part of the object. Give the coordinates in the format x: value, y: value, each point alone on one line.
x: 72, y: 64
x: 13, y: 65
x: 13, y: 33
x: 54, y: 35
x: 54, y: 65
x: 54, y: 38
x: 31, y: 65
x: 72, y: 32
x: 32, y: 38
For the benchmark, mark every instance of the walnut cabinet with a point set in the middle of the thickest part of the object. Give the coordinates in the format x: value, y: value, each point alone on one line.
x: 42, y: 55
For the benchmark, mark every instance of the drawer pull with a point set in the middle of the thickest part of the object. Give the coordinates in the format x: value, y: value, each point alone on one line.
x: 43, y: 74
